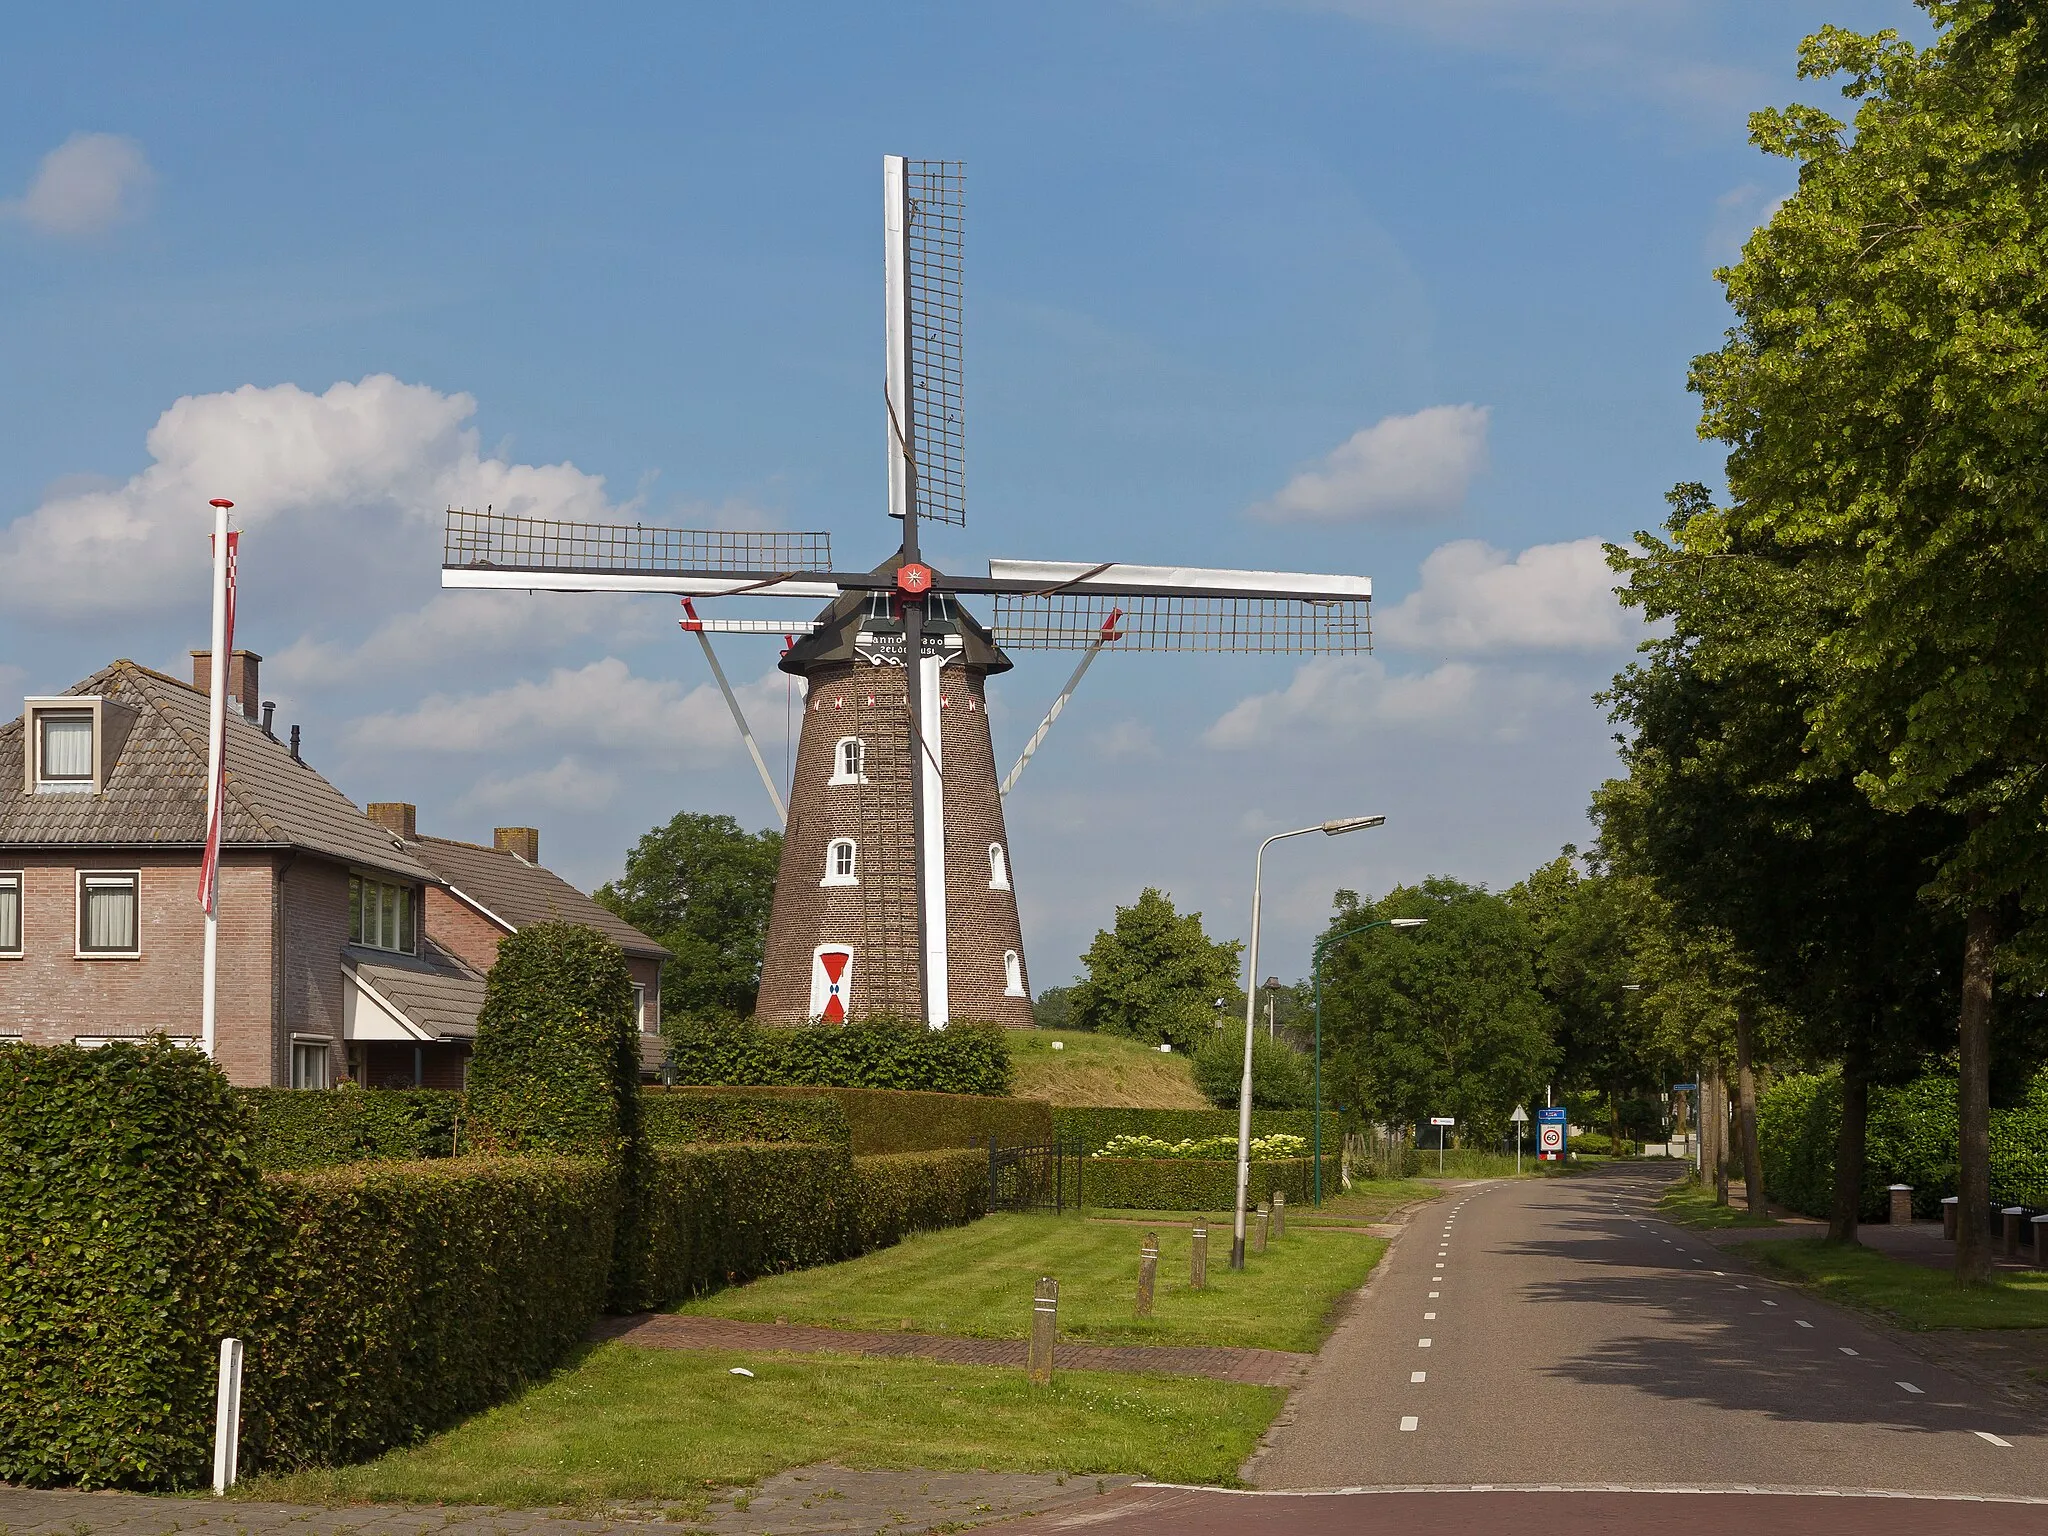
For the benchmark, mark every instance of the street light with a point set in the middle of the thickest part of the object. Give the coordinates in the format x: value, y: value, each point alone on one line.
x: 1251, y: 994
x: 1315, y: 972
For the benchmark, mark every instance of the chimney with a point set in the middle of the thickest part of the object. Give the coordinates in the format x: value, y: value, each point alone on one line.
x: 520, y: 842
x: 269, y: 715
x: 295, y: 746
x: 241, y: 677
x: 395, y: 816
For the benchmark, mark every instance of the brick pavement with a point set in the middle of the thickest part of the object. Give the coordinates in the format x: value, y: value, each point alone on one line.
x: 659, y: 1330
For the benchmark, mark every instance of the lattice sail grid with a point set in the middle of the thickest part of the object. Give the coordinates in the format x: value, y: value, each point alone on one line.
x: 497, y: 540
x: 937, y: 191
x: 1072, y: 621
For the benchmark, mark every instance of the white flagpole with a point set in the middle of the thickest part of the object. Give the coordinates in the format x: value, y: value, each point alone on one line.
x: 216, y: 748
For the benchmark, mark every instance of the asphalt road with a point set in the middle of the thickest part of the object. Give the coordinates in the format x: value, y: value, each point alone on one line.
x: 1546, y: 1332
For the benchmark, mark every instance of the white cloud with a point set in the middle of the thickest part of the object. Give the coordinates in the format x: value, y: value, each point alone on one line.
x: 600, y: 706
x: 357, y: 471
x: 1474, y: 598
x: 85, y: 186
x: 570, y: 784
x: 1343, y: 696
x: 1738, y: 213
x: 1419, y: 464
x: 1125, y: 738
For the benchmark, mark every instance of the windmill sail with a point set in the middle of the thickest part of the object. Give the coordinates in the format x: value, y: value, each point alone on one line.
x: 937, y: 197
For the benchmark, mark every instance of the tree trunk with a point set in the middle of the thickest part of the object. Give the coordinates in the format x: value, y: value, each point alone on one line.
x: 1849, y: 1143
x: 1714, y: 1128
x: 1614, y: 1120
x: 1745, y: 1083
x: 1973, y: 1100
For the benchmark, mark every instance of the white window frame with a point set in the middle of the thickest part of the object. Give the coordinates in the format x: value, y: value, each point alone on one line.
x: 79, y: 951
x: 1013, y: 974
x: 840, y: 773
x: 833, y: 875
x: 409, y: 937
x: 998, y: 868
x: 325, y: 1045
x: 16, y: 880
x: 640, y: 1006
x: 39, y: 716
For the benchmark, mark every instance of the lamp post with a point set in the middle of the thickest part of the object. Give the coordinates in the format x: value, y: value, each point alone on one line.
x: 1251, y: 999
x: 1315, y: 972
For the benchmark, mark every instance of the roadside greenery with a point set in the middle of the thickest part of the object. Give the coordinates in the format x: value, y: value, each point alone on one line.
x: 1910, y: 1295
x: 1156, y: 976
x: 1689, y: 1204
x: 1211, y: 1148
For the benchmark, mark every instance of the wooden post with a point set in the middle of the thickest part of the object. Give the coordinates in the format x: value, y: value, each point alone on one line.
x: 1148, y: 1270
x: 1198, y: 1258
x: 1901, y: 1203
x: 1279, y: 1213
x: 2014, y: 1223
x: 1265, y: 1221
x: 1948, y: 1217
x: 1045, y: 1309
x: 2040, y: 1226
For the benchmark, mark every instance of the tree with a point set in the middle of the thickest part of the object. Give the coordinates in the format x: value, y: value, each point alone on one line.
x: 1884, y: 396
x: 1156, y: 976
x: 703, y: 889
x: 1280, y: 1078
x: 1444, y: 1019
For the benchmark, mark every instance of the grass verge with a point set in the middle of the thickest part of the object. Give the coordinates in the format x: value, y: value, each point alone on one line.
x: 670, y: 1427
x: 1688, y: 1204
x: 978, y: 1280
x: 1101, y: 1072
x: 1367, y: 1200
x: 1908, y: 1294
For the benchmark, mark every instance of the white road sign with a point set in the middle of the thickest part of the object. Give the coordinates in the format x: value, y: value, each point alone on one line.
x: 1441, y: 1120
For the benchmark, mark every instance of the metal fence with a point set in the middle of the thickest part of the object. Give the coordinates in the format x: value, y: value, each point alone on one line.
x: 1041, y: 1178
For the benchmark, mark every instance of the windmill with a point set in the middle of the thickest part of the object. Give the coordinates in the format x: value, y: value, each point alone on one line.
x: 894, y: 892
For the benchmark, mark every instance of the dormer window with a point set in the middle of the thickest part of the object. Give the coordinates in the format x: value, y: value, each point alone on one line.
x: 849, y: 761
x: 382, y: 915
x: 64, y: 749
x: 71, y: 743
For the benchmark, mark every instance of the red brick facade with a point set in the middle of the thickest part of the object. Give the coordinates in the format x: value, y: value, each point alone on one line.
x: 472, y: 938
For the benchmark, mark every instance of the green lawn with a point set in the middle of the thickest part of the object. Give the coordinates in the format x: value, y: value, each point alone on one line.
x: 1688, y: 1204
x: 978, y: 1281
x: 1367, y: 1200
x: 670, y: 1427
x: 1908, y: 1294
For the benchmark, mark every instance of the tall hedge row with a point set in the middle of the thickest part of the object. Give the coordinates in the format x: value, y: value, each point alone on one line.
x: 1094, y: 1128
x: 684, y: 1115
x: 1912, y: 1139
x: 297, y: 1129
x: 873, y: 1120
x: 898, y: 1193
x: 873, y: 1053
x: 1195, y: 1184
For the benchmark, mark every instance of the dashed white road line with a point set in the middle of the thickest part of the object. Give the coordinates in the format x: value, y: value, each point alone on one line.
x: 1910, y: 1388
x: 1768, y: 1303
x: 1845, y: 1349
x: 1434, y: 1294
x: 1802, y: 1322
x: 1429, y: 1317
x: 1424, y: 1344
x: 1418, y: 1376
x: 1410, y: 1423
x: 1985, y: 1434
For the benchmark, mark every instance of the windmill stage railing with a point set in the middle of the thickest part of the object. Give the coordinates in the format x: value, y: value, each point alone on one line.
x: 500, y: 540
x: 1073, y: 621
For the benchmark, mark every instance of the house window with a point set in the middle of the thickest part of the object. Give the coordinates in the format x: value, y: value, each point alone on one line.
x: 108, y: 912
x: 10, y: 914
x: 64, y: 749
x: 998, y: 868
x: 850, y: 761
x: 840, y: 866
x: 640, y: 1006
x: 309, y: 1063
x: 1013, y: 974
x: 382, y: 915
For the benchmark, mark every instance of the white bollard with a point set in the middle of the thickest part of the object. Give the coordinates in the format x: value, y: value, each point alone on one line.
x: 227, y: 1416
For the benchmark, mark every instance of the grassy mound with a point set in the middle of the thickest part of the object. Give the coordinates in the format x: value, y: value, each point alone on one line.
x: 1101, y: 1072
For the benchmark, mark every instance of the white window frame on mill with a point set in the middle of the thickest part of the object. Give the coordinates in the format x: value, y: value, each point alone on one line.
x: 1013, y: 974
x: 998, y: 868
x: 109, y: 882
x: 842, y: 862
x: 849, y: 761
x: 13, y: 914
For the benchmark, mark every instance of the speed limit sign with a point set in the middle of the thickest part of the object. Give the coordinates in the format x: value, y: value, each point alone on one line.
x: 1550, y: 1134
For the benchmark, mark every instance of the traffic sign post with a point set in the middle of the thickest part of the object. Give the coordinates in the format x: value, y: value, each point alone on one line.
x: 1442, y: 1124
x: 1519, y: 1118
x: 1550, y: 1134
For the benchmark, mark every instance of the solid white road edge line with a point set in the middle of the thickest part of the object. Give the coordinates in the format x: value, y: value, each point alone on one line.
x: 1937, y: 1496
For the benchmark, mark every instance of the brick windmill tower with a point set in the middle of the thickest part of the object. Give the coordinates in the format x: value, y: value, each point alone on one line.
x: 895, y: 891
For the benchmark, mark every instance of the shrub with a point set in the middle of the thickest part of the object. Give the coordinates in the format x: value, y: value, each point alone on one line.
x: 1280, y: 1074
x: 684, y: 1115
x: 296, y: 1128
x: 899, y: 1193
x: 719, y: 1215
x: 1210, y: 1148
x: 127, y: 1191
x: 403, y: 1296
x: 880, y: 1052
x: 1198, y: 1184
x: 870, y: 1120
x: 1093, y: 1128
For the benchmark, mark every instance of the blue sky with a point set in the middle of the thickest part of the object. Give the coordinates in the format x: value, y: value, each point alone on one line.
x: 1407, y: 290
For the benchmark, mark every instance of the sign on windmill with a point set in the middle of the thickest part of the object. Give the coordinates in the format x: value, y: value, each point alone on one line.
x: 895, y: 892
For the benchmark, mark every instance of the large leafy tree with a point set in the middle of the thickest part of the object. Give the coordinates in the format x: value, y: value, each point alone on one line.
x: 1444, y: 1019
x: 1156, y: 976
x: 1884, y: 395
x: 703, y: 887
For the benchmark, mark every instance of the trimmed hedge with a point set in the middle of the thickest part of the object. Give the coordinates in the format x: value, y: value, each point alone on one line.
x: 680, y: 1116
x: 898, y: 1193
x: 720, y: 1215
x: 401, y: 1297
x: 1190, y: 1184
x: 875, y: 1120
x: 1912, y: 1139
x: 127, y: 1188
x: 1093, y: 1128
x: 875, y: 1053
x: 296, y: 1128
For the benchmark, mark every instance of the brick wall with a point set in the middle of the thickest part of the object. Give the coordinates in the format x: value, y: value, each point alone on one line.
x: 314, y: 903
x: 981, y: 923
x: 50, y: 996
x: 461, y: 930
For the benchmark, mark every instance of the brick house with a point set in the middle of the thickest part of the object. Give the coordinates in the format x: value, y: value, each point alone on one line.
x: 329, y: 962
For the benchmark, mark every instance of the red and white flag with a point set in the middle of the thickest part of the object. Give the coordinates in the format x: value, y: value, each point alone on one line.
x: 217, y: 730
